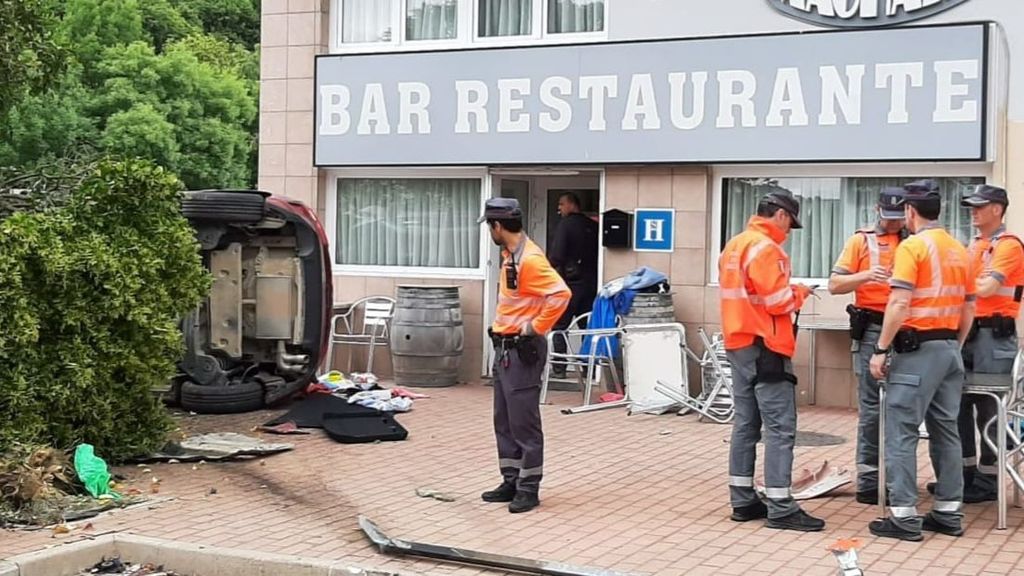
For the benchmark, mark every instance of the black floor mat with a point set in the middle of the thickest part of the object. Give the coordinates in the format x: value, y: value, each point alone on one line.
x: 309, y: 413
x: 350, y: 429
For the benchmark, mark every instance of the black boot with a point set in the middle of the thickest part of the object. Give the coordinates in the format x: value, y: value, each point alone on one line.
x: 504, y: 493
x: 755, y: 511
x: 888, y: 529
x: 799, y: 521
x: 524, y: 502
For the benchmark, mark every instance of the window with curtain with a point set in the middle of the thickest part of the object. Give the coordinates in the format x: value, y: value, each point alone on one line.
x: 415, y: 222
x: 366, y: 21
x: 431, y: 19
x: 575, y: 16
x: 832, y: 209
x: 505, y: 18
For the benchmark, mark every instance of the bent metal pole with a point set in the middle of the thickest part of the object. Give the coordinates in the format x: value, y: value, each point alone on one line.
x: 463, y: 556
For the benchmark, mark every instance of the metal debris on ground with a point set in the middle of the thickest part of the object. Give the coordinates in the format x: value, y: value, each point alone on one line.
x: 390, y: 545
x: 219, y: 446
x: 430, y: 493
x: 845, y: 552
x: 117, y: 567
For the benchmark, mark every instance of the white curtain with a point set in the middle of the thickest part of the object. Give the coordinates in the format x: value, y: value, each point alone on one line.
x: 432, y: 20
x: 506, y: 18
x: 566, y: 16
x: 366, y: 21
x: 831, y: 209
x: 408, y: 222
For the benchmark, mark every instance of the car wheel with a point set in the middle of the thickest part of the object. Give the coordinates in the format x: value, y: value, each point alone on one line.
x: 224, y: 206
x: 230, y: 399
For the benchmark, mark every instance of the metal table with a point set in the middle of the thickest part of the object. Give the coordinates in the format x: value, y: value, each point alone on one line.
x: 812, y: 329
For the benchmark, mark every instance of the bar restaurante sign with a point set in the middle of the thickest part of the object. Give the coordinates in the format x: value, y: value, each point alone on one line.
x: 862, y: 13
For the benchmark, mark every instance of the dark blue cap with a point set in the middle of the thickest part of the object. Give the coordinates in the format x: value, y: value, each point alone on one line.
x: 921, y: 190
x: 890, y: 201
x: 985, y: 194
x: 784, y: 199
x: 501, y: 209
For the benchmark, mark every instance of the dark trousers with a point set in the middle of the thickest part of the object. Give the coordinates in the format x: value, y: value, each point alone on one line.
x: 517, y: 424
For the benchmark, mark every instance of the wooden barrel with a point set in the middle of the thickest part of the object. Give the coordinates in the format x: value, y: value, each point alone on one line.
x: 427, y: 336
x: 651, y: 309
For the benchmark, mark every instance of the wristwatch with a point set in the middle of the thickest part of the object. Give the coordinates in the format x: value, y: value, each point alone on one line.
x: 882, y: 351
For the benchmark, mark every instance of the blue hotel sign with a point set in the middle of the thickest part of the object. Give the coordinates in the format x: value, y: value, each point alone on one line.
x: 654, y: 230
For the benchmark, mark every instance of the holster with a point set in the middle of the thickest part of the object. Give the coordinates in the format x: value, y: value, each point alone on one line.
x: 1003, y: 327
x: 858, y: 322
x: 906, y: 341
x: 529, y: 352
x: 771, y: 366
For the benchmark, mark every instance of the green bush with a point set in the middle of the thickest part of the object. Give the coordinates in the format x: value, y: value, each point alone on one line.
x: 90, y: 294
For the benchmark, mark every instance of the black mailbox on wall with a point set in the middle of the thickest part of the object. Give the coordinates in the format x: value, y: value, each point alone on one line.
x: 617, y: 229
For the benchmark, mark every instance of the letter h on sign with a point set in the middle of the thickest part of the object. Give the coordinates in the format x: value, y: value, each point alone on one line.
x: 654, y: 230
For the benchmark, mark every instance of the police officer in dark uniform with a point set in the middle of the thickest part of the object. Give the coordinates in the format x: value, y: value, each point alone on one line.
x: 531, y: 299
x: 573, y: 253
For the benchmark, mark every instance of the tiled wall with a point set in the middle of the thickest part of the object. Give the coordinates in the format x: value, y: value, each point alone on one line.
x: 688, y: 191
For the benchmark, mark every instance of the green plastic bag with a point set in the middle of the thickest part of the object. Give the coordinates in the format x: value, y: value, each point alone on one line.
x: 92, y: 471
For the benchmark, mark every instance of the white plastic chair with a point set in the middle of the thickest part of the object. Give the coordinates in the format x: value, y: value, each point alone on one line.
x: 366, y: 323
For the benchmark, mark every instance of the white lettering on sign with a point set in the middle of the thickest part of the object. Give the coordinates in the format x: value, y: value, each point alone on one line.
x: 334, y: 116
x: 743, y: 98
x: 862, y: 13
x: 896, y: 76
x: 654, y: 231
x: 471, y: 101
x: 677, y: 82
x: 947, y: 90
x: 414, y: 97
x: 554, y: 103
x: 547, y: 121
x: 847, y: 96
x: 596, y: 88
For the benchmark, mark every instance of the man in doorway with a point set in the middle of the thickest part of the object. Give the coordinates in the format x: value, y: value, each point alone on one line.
x: 572, y: 251
x: 531, y: 299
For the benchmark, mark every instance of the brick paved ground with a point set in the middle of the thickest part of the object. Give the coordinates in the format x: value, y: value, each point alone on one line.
x: 619, y: 493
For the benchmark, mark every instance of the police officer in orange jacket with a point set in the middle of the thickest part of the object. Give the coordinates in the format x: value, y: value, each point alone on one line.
x: 532, y: 297
x: 927, y: 319
x: 998, y: 261
x: 864, y: 268
x: 758, y: 304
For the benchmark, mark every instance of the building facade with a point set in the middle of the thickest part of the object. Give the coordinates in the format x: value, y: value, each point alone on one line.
x: 398, y: 118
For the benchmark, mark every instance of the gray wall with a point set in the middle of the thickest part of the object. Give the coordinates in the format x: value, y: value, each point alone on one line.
x: 633, y: 19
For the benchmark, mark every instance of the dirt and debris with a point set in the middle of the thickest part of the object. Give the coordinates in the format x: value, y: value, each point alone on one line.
x: 117, y: 567
x: 39, y: 487
x: 431, y: 493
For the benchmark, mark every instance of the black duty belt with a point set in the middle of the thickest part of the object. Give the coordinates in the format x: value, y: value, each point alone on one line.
x: 872, y: 316
x: 990, y: 322
x: 932, y: 335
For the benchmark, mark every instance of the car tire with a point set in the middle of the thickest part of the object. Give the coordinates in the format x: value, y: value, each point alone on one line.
x: 224, y: 206
x: 231, y: 399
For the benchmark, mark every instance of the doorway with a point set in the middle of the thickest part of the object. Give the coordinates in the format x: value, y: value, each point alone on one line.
x: 538, y: 191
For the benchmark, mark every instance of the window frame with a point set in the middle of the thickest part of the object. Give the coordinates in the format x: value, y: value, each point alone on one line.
x: 720, y: 173
x: 468, y: 36
x: 331, y: 213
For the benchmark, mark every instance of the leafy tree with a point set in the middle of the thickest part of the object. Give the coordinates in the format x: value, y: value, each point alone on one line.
x: 30, y: 58
x: 234, y: 20
x: 164, y: 23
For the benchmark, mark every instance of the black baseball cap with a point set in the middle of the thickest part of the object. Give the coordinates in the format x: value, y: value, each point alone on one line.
x: 921, y: 190
x: 890, y: 201
x: 984, y: 195
x: 501, y: 209
x: 784, y: 199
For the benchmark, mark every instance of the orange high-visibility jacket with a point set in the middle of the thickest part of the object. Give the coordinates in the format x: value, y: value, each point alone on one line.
x: 863, y: 251
x: 1002, y: 258
x: 937, y: 270
x: 541, y: 296
x: 757, y: 299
